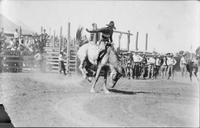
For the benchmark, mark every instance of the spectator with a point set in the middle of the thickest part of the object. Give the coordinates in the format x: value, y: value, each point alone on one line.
x: 157, y: 64
x: 151, y: 63
x: 183, y: 66
x: 170, y: 62
x: 164, y: 67
x: 38, y: 57
x: 16, y: 38
x: 195, y: 64
x: 2, y: 38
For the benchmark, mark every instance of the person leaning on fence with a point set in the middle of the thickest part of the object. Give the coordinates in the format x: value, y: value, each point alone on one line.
x: 170, y: 62
x: 61, y: 63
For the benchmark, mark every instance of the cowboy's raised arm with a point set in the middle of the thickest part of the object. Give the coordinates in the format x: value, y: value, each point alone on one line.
x: 96, y: 31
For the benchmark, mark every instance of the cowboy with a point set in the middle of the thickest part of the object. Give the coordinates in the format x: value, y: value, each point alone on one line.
x: 157, y: 64
x: 183, y: 64
x: 143, y: 66
x: 163, y: 68
x: 61, y: 62
x: 171, y: 62
x: 129, y: 65
x: 137, y: 59
x: 151, y: 64
x: 39, y: 59
x: 195, y: 65
x: 106, y: 37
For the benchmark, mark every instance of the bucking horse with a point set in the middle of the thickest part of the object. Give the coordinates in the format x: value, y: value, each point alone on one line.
x: 89, y: 62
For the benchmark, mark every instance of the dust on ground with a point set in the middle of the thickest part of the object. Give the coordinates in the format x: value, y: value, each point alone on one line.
x: 54, y: 100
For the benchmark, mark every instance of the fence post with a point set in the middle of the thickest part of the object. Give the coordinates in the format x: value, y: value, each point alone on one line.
x: 146, y: 44
x: 60, y: 40
x: 119, y: 45
x: 128, y: 39
x: 68, y: 47
x: 136, y: 41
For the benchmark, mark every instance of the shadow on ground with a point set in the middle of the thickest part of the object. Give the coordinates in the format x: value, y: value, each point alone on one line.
x: 129, y: 92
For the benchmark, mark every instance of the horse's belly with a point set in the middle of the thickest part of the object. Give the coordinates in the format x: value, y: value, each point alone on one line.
x: 93, y: 53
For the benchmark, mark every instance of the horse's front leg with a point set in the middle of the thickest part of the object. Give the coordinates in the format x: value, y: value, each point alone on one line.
x: 82, y: 69
x: 96, y: 78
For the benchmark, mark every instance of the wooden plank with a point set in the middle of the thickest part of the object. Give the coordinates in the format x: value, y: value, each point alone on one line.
x: 12, y: 60
x: 52, y: 62
x: 123, y: 32
x: 52, y: 59
x: 10, y: 56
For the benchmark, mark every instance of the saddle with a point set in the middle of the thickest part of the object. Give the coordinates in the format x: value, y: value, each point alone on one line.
x: 102, y: 53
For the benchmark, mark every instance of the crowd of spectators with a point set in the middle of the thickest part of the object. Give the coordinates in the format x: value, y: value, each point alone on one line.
x: 26, y: 44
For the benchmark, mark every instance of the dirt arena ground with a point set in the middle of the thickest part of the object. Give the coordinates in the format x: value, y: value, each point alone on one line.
x: 47, y: 99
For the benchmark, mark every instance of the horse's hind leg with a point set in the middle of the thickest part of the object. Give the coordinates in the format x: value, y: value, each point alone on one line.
x: 105, y: 83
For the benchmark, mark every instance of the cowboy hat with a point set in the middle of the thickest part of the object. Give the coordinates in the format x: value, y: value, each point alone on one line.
x: 111, y: 24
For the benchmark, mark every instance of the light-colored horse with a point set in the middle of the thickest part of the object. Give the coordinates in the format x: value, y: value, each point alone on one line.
x: 90, y: 51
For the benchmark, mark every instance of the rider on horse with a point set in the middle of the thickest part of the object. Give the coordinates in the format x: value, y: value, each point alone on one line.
x: 107, y: 33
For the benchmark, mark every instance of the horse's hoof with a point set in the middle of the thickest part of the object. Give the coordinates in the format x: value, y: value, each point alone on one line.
x: 84, y: 77
x: 89, y: 79
x: 92, y: 91
x: 107, y: 92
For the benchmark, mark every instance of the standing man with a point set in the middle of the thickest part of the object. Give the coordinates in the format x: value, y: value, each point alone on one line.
x: 157, y: 64
x: 16, y: 38
x: 137, y: 59
x: 61, y: 63
x: 164, y: 66
x: 151, y: 64
x: 195, y: 65
x: 171, y: 62
x: 39, y: 59
x: 183, y: 66
x: 143, y: 66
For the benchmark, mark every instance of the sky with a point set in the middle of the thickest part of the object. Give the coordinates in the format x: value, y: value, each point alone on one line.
x: 171, y: 25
